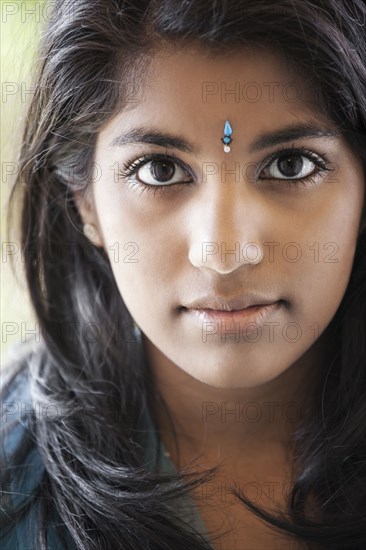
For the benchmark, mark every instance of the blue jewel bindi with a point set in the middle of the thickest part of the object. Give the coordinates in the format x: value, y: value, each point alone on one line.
x: 227, y: 139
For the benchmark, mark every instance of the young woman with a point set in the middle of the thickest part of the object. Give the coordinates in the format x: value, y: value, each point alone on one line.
x: 191, y: 184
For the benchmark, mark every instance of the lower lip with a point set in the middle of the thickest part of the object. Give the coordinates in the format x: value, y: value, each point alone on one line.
x: 248, y: 319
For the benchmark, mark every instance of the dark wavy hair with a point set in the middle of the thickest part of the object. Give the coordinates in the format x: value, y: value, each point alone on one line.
x: 95, y: 477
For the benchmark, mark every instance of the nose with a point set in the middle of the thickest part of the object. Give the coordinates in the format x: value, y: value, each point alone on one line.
x: 224, y: 225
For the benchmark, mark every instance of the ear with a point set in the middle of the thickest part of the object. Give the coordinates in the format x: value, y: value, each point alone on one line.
x: 86, y: 208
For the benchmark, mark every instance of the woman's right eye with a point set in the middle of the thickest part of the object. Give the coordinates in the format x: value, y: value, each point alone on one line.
x: 156, y: 171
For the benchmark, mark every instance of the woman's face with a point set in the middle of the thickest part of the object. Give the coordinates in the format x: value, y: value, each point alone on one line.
x: 232, y: 224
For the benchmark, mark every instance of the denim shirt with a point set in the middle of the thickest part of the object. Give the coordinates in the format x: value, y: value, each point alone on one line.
x: 21, y: 535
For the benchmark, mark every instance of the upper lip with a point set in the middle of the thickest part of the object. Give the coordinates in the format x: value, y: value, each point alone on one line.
x: 234, y: 303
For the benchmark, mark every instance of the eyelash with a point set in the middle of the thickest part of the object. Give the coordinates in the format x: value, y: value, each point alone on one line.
x: 131, y: 168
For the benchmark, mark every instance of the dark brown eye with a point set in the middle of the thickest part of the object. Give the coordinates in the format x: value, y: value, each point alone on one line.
x: 290, y: 166
x: 157, y: 171
x: 162, y: 170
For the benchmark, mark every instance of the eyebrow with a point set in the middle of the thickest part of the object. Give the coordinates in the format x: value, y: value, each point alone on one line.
x: 302, y: 130
x: 153, y: 136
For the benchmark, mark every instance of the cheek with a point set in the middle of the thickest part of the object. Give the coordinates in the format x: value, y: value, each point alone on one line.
x: 142, y: 259
x: 328, y: 244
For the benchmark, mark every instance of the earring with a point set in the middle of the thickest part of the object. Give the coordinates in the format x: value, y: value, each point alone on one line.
x: 90, y: 231
x: 226, y: 140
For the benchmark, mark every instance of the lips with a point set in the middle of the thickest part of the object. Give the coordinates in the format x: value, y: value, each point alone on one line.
x: 233, y: 303
x: 239, y: 322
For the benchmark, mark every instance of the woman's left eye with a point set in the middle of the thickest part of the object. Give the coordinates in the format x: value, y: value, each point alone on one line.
x: 292, y: 166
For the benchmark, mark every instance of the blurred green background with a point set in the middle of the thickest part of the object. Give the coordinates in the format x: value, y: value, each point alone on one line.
x: 21, y: 27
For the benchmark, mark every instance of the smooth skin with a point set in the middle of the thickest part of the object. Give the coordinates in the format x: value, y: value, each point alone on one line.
x: 202, y: 377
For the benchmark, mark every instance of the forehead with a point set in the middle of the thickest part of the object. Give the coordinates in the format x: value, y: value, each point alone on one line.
x: 190, y: 90
x: 235, y: 77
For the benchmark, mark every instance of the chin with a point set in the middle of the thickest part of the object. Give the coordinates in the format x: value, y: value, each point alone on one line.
x: 223, y: 377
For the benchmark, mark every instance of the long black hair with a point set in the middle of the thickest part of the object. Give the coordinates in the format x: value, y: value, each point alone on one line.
x: 86, y: 363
